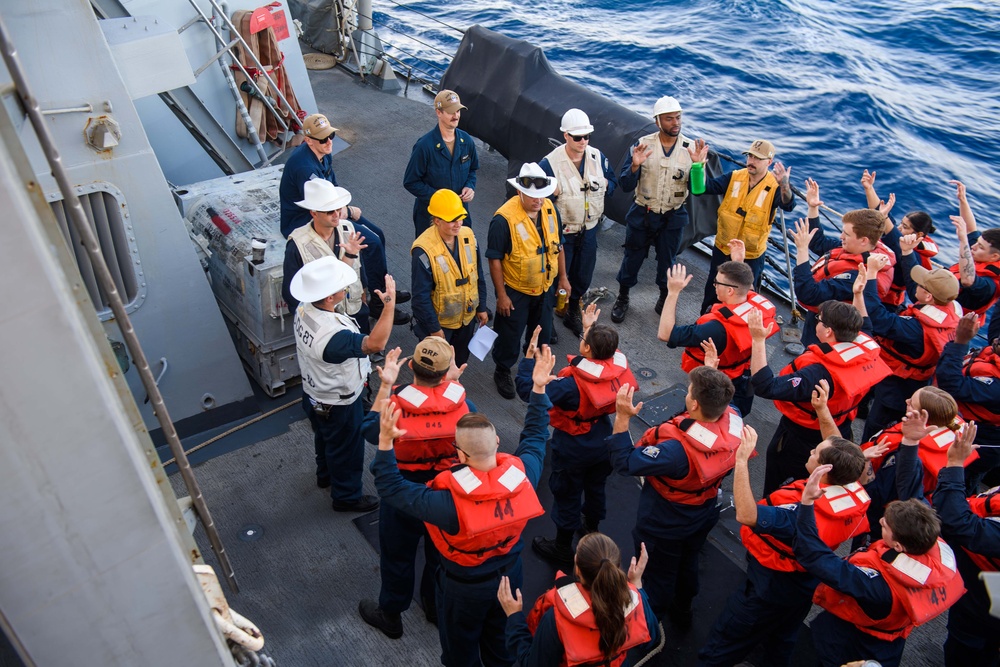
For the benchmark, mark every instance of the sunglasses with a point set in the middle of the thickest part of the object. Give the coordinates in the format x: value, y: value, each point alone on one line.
x: 533, y: 181
x: 718, y: 284
x: 323, y: 141
x: 585, y: 137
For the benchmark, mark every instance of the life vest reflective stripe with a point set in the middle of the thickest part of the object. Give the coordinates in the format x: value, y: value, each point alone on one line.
x: 922, y: 587
x: 663, y: 180
x: 533, y: 262
x: 735, y: 358
x: 938, y: 324
x: 711, y: 452
x: 456, y: 284
x: 838, y: 262
x: 332, y: 384
x: 429, y: 415
x: 492, y: 508
x: 986, y: 506
x: 312, y: 246
x: 841, y: 513
x: 745, y: 213
x: 598, y: 381
x: 577, y: 626
x: 581, y: 199
x: 932, y: 451
x: 984, y: 365
x: 989, y: 270
x: 855, y: 367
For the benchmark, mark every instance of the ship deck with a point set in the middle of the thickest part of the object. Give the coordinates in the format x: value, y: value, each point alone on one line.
x: 302, y: 568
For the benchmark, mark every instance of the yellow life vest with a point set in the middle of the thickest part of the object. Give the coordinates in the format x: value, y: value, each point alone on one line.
x: 745, y: 213
x: 532, y: 265
x: 312, y: 246
x: 456, y: 285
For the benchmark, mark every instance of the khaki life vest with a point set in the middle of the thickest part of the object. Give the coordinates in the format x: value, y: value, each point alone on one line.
x: 581, y: 199
x: 663, y: 179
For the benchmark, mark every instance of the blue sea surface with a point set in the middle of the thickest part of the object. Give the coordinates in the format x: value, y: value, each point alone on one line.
x: 907, y: 89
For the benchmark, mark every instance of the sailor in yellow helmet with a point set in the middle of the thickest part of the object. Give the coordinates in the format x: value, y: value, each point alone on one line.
x: 748, y: 207
x: 527, y: 266
x: 449, y: 292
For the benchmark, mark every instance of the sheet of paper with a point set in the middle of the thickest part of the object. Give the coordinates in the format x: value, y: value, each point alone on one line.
x: 482, y: 343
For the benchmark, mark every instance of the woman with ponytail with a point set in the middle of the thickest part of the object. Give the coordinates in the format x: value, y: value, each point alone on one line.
x: 594, y: 617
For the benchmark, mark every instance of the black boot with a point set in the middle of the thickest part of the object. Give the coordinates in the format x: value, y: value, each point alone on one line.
x: 574, y: 319
x: 557, y: 552
x: 505, y: 385
x: 621, y: 305
x: 391, y: 625
x: 587, y: 526
x: 375, y: 307
x: 659, y: 302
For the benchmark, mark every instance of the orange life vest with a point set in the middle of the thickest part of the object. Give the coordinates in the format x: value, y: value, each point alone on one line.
x: 986, y: 364
x: 598, y: 381
x: 932, y: 451
x: 985, y: 505
x: 735, y: 358
x: 855, y: 368
x: 429, y: 415
x: 841, y: 513
x: 838, y: 261
x: 577, y: 626
x: 925, y: 250
x: 938, y: 323
x: 492, y: 507
x: 922, y: 587
x: 989, y: 270
x: 711, y: 452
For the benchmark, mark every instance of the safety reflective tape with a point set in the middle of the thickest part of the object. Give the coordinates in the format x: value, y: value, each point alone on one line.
x: 412, y: 395
x: 912, y: 568
x: 512, y: 478
x: 467, y: 479
x: 575, y: 603
x: 455, y: 392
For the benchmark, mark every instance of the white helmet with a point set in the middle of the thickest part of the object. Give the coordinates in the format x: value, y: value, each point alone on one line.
x: 665, y: 104
x: 576, y: 122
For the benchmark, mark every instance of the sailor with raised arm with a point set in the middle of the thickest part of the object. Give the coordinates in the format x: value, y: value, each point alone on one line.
x: 475, y: 513
x: 333, y: 358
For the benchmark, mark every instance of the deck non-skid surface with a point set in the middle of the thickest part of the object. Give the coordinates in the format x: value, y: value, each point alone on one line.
x: 302, y: 568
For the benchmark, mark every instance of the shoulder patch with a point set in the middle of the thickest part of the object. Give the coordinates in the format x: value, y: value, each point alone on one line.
x: 871, y: 572
x: 843, y: 276
x: 796, y: 381
x: 651, y: 451
x: 984, y: 379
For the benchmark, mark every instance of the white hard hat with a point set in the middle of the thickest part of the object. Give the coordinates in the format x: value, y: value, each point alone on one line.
x: 576, y: 122
x: 666, y: 104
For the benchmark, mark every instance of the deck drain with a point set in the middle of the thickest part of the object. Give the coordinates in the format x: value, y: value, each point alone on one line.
x: 647, y: 373
x: 251, y: 532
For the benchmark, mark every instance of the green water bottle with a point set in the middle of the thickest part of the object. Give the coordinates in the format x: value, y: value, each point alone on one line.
x: 697, y: 178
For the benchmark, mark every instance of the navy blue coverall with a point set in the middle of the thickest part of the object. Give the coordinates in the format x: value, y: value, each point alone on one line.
x: 433, y: 167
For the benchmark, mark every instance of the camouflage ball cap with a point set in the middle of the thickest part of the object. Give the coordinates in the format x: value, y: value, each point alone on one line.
x: 433, y: 354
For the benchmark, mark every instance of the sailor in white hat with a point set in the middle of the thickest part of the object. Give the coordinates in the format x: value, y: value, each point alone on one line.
x: 333, y: 359
x: 524, y: 249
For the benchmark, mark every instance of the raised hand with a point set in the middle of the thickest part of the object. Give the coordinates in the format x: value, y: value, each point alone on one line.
x: 967, y: 329
x: 876, y: 262
x: 389, y: 372
x: 812, y: 194
x: 878, y: 450
x: 908, y: 243
x: 641, y: 154
x: 737, y: 250
x: 698, y: 152
x: 868, y: 179
x: 677, y: 278
x: 812, y: 492
x: 354, y: 243
x: 959, y: 190
x: 637, y: 567
x: 961, y: 226
x: 590, y: 315
x: 781, y: 172
x: 455, y: 372
x: 533, y: 344
x: 388, y: 429
x: 389, y: 295
x: 914, y: 426
x: 511, y: 602
x: 860, y: 280
x: 623, y: 402
x: 711, y: 353
x: 802, y: 235
x: 755, y: 322
x: 748, y: 444
x: 962, y: 447
x: 545, y: 361
x: 820, y: 395
x: 884, y: 206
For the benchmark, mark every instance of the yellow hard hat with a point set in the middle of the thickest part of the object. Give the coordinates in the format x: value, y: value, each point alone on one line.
x: 447, y: 205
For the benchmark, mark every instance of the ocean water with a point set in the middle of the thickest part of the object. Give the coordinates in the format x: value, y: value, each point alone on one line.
x: 904, y: 88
